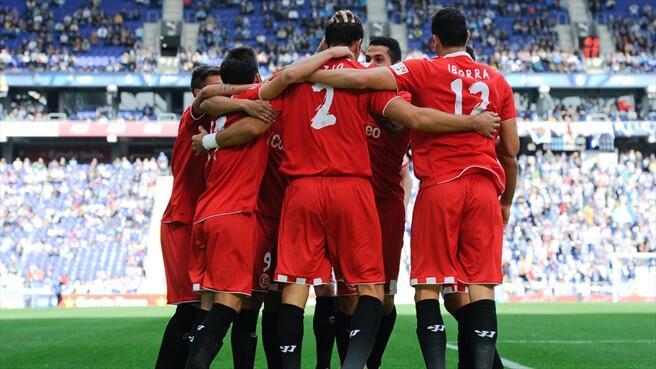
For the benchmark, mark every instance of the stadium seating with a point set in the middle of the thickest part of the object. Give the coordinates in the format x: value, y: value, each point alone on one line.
x: 81, y: 222
x: 108, y: 36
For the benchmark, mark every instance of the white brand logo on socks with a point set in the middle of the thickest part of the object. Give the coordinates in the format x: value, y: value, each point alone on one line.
x: 354, y: 333
x: 200, y: 327
x: 285, y: 349
x: 436, y: 328
x: 488, y: 334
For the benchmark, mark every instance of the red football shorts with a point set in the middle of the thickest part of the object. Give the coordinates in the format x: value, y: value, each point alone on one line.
x: 391, y: 213
x: 457, y: 233
x: 176, y: 249
x: 329, y: 222
x: 223, y: 253
x: 266, y: 241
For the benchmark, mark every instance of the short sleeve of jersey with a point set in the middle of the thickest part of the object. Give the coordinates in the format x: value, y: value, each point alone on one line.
x: 192, y: 122
x: 254, y: 94
x: 409, y: 73
x: 506, y: 101
x: 378, y: 101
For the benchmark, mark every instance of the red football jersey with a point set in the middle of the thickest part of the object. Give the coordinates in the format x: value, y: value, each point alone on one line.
x: 187, y: 169
x: 323, y: 128
x: 274, y: 183
x: 388, y: 144
x: 455, y: 84
x: 233, y: 176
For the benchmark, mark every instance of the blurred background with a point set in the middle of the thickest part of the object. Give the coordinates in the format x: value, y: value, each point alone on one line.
x: 91, y: 93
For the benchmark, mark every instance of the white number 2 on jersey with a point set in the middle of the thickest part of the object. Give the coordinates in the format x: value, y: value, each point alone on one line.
x: 323, y: 118
x: 475, y: 88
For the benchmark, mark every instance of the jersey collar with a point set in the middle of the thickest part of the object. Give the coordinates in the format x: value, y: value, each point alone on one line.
x: 456, y: 54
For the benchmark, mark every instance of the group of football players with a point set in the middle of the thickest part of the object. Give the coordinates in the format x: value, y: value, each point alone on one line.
x: 299, y: 181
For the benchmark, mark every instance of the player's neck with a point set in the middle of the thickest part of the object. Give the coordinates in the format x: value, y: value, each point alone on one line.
x: 450, y: 50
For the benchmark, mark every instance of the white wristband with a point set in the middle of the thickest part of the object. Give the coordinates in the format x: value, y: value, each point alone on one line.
x: 209, y: 142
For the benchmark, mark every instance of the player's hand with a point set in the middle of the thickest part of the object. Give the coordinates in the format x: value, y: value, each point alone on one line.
x: 486, y: 123
x: 197, y: 141
x: 340, y: 52
x: 505, y: 214
x: 261, y: 110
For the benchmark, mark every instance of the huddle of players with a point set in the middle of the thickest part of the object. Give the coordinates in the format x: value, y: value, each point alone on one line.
x: 298, y: 173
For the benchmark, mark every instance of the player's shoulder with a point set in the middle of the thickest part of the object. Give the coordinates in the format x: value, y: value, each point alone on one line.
x: 252, y: 93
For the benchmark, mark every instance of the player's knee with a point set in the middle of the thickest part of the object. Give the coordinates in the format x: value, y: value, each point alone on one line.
x: 481, y: 292
x: 347, y: 304
x: 388, y: 304
x: 454, y: 301
x: 272, y: 301
x: 373, y: 290
x: 295, y: 294
x: 427, y: 292
x: 230, y: 300
x: 324, y: 290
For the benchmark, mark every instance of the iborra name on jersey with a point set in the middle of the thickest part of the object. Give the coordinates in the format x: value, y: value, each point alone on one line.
x: 469, y: 73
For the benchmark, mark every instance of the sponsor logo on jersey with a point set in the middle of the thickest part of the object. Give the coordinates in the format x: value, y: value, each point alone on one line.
x: 400, y: 68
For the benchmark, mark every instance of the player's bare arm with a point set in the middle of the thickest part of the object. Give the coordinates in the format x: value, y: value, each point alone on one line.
x: 507, y: 150
x: 221, y: 105
x: 221, y: 89
x: 373, y: 78
x: 435, y: 121
x: 300, y: 70
x: 239, y: 133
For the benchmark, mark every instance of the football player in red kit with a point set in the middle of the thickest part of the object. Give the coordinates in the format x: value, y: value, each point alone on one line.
x: 329, y: 198
x: 225, y: 218
x: 176, y: 224
x: 458, y: 220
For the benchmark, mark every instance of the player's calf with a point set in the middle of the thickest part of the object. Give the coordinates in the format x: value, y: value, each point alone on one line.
x: 346, y: 304
x: 174, y: 350
x: 481, y: 315
x: 364, y: 325
x: 431, y: 330
x: 290, y: 324
x: 323, y: 324
x: 243, y: 337
x: 209, y: 335
x: 384, y: 332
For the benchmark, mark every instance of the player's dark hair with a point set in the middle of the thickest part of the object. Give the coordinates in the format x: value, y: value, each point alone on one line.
x: 450, y: 26
x: 343, y: 29
x: 239, y: 67
x: 393, y: 47
x: 200, y: 73
x: 470, y: 51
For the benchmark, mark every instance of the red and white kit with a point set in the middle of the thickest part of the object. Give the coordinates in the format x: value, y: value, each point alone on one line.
x: 329, y: 217
x: 176, y: 227
x: 388, y: 144
x: 457, y: 227
x: 225, y: 222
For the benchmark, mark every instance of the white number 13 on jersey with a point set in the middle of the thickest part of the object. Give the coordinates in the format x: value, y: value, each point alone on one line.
x: 475, y: 88
x: 323, y: 118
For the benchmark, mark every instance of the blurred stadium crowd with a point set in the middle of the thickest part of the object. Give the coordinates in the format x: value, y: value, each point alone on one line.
x: 83, y: 227
x: 79, y: 227
x: 108, y: 36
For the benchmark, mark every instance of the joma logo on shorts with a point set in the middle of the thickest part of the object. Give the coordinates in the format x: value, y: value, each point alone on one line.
x: 488, y: 334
